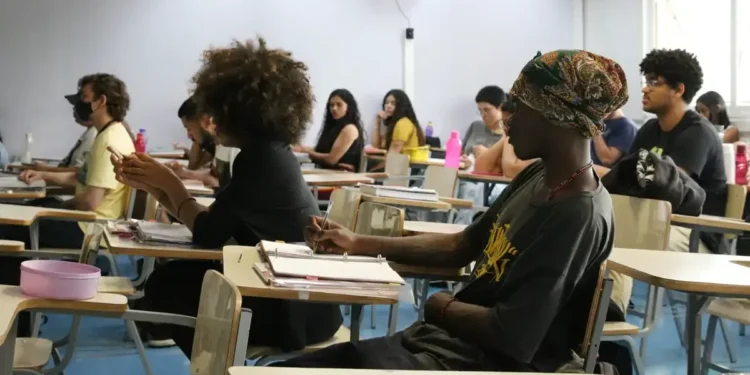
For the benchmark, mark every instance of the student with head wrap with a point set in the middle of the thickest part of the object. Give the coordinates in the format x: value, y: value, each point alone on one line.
x: 539, y: 247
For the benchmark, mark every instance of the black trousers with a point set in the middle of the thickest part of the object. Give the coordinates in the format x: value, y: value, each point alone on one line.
x: 175, y: 287
x: 52, y: 234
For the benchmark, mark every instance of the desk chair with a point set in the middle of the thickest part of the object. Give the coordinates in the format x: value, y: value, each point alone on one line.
x: 597, y: 317
x: 397, y: 168
x: 372, y: 219
x: 639, y: 224
x: 345, y: 206
x: 736, y: 309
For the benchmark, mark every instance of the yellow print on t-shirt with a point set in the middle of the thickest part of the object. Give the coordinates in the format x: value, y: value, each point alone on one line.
x: 498, y: 252
x: 657, y: 150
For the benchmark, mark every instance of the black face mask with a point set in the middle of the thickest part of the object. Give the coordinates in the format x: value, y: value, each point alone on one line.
x: 83, y: 110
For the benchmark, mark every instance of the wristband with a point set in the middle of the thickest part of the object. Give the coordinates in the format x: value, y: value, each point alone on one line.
x: 179, y: 208
x: 442, y: 311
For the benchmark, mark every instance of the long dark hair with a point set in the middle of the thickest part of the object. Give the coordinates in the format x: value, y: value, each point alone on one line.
x: 403, y: 109
x: 331, y: 127
x: 717, y: 108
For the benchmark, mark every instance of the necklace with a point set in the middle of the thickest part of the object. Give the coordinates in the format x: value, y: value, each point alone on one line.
x: 569, y: 180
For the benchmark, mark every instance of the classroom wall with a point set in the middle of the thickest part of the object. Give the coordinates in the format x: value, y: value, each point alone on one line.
x: 155, y: 45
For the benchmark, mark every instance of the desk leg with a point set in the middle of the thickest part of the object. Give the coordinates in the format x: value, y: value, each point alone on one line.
x: 694, y: 322
x: 487, y: 192
x: 243, y: 336
x: 392, y: 319
x: 34, y: 235
x: 7, y: 349
x: 356, y: 322
x: 695, y: 241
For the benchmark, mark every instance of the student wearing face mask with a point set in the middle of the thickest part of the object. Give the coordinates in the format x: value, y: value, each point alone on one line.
x: 104, y: 102
x: 341, y: 139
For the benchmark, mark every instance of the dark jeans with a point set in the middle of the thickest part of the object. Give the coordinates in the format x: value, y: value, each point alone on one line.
x: 52, y: 234
x: 379, y: 353
x: 175, y: 287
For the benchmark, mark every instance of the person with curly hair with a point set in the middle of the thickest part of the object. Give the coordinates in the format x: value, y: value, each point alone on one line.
x: 341, y: 139
x: 104, y: 101
x: 258, y: 100
x: 396, y: 126
x: 538, y: 249
x: 712, y: 106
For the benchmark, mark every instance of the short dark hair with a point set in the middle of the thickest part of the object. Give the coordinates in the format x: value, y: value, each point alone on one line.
x: 675, y: 66
x: 252, y: 92
x: 188, y: 110
x: 118, y: 100
x: 491, y: 94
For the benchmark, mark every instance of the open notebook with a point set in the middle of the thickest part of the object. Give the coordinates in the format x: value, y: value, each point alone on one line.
x: 300, y: 261
x: 163, y: 233
x: 399, y: 192
x: 12, y: 183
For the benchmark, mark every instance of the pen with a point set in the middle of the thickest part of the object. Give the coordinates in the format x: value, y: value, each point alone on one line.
x: 323, y: 226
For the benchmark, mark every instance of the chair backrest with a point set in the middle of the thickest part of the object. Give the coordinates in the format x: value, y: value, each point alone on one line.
x: 641, y: 223
x: 91, y: 243
x: 217, y: 326
x: 736, y: 195
x: 379, y: 220
x: 396, y: 165
x: 441, y: 179
x: 129, y: 202
x: 152, y: 205
x: 596, y: 319
x: 345, y: 203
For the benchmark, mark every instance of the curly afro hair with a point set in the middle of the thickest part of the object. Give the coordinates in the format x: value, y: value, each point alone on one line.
x: 253, y: 92
x: 675, y: 66
x: 118, y: 100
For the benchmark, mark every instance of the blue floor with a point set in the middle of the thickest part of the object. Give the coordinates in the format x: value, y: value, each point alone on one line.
x: 103, y: 349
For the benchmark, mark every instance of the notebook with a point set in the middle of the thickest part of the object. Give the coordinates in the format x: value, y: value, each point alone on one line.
x: 265, y: 273
x: 13, y: 183
x: 163, y: 233
x: 300, y: 261
x: 399, y: 192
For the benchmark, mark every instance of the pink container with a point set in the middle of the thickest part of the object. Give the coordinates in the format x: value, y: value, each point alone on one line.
x: 55, y: 279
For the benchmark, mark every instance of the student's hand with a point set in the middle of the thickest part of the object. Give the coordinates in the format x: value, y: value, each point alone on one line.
x: 478, y: 150
x: 28, y: 176
x: 176, y: 167
x: 383, y: 115
x: 434, y: 306
x: 144, y: 169
x: 334, y: 239
x: 466, y: 160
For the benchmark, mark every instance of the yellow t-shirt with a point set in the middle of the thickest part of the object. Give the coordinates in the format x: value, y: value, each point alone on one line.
x: 405, y: 131
x: 97, y: 171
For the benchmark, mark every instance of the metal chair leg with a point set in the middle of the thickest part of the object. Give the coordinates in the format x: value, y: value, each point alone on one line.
x: 708, y: 346
x: 742, y: 330
x: 679, y: 324
x: 139, y: 346
x: 637, y: 360
x: 731, y: 349
x: 372, y: 317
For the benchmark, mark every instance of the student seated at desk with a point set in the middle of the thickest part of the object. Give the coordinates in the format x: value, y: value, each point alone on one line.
x: 341, y: 140
x: 712, y: 106
x: 396, y: 126
x: 202, y: 148
x: 267, y: 198
x: 539, y: 247
x: 619, y: 131
x: 501, y: 158
x: 481, y: 135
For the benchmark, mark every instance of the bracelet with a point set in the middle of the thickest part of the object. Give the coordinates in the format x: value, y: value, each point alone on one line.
x: 442, y: 311
x: 179, y: 208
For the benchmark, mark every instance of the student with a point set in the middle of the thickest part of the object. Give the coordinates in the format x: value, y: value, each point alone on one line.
x: 619, y: 131
x: 4, y: 158
x: 538, y: 248
x: 341, y: 139
x: 261, y: 101
x: 711, y: 106
x: 501, y: 157
x: 203, y: 150
x: 396, y: 126
x: 483, y: 134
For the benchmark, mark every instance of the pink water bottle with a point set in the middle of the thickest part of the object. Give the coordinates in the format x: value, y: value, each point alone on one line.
x: 140, y: 141
x: 453, y: 151
x: 740, y: 163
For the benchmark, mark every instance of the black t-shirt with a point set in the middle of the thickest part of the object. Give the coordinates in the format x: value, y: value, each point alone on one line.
x: 537, y: 272
x: 694, y: 147
x: 351, y: 156
x: 268, y: 199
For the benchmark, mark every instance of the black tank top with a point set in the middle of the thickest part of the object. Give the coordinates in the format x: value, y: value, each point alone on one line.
x: 352, y: 155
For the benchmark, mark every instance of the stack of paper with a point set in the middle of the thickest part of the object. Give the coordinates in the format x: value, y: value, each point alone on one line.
x: 400, y: 192
x: 163, y: 233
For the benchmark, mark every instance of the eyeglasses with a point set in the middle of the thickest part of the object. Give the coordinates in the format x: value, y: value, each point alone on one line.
x: 651, y: 83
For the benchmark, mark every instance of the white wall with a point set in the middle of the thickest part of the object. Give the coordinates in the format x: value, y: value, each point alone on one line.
x: 615, y: 29
x: 155, y: 45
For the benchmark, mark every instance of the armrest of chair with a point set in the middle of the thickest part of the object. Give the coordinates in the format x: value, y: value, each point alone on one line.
x: 457, y: 202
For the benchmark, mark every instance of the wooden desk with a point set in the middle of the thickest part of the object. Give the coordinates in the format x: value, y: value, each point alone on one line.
x: 11, y: 188
x: 326, y: 371
x: 375, y: 151
x: 170, y: 154
x: 319, y: 171
x: 12, y: 302
x: 197, y: 188
x: 409, y: 203
x: 710, y: 224
x: 21, y: 195
x: 425, y: 227
x: 337, y: 179
x: 488, y: 180
x: 128, y: 246
x: 420, y: 163
x: 699, y: 275
x: 238, y: 267
x: 12, y: 214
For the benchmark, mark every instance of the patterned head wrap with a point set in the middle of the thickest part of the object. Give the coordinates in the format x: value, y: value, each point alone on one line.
x: 572, y: 88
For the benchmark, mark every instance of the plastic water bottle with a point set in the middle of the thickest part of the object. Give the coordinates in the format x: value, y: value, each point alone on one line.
x: 428, y: 130
x: 140, y: 141
x: 453, y: 151
x: 740, y: 162
x: 27, y: 152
